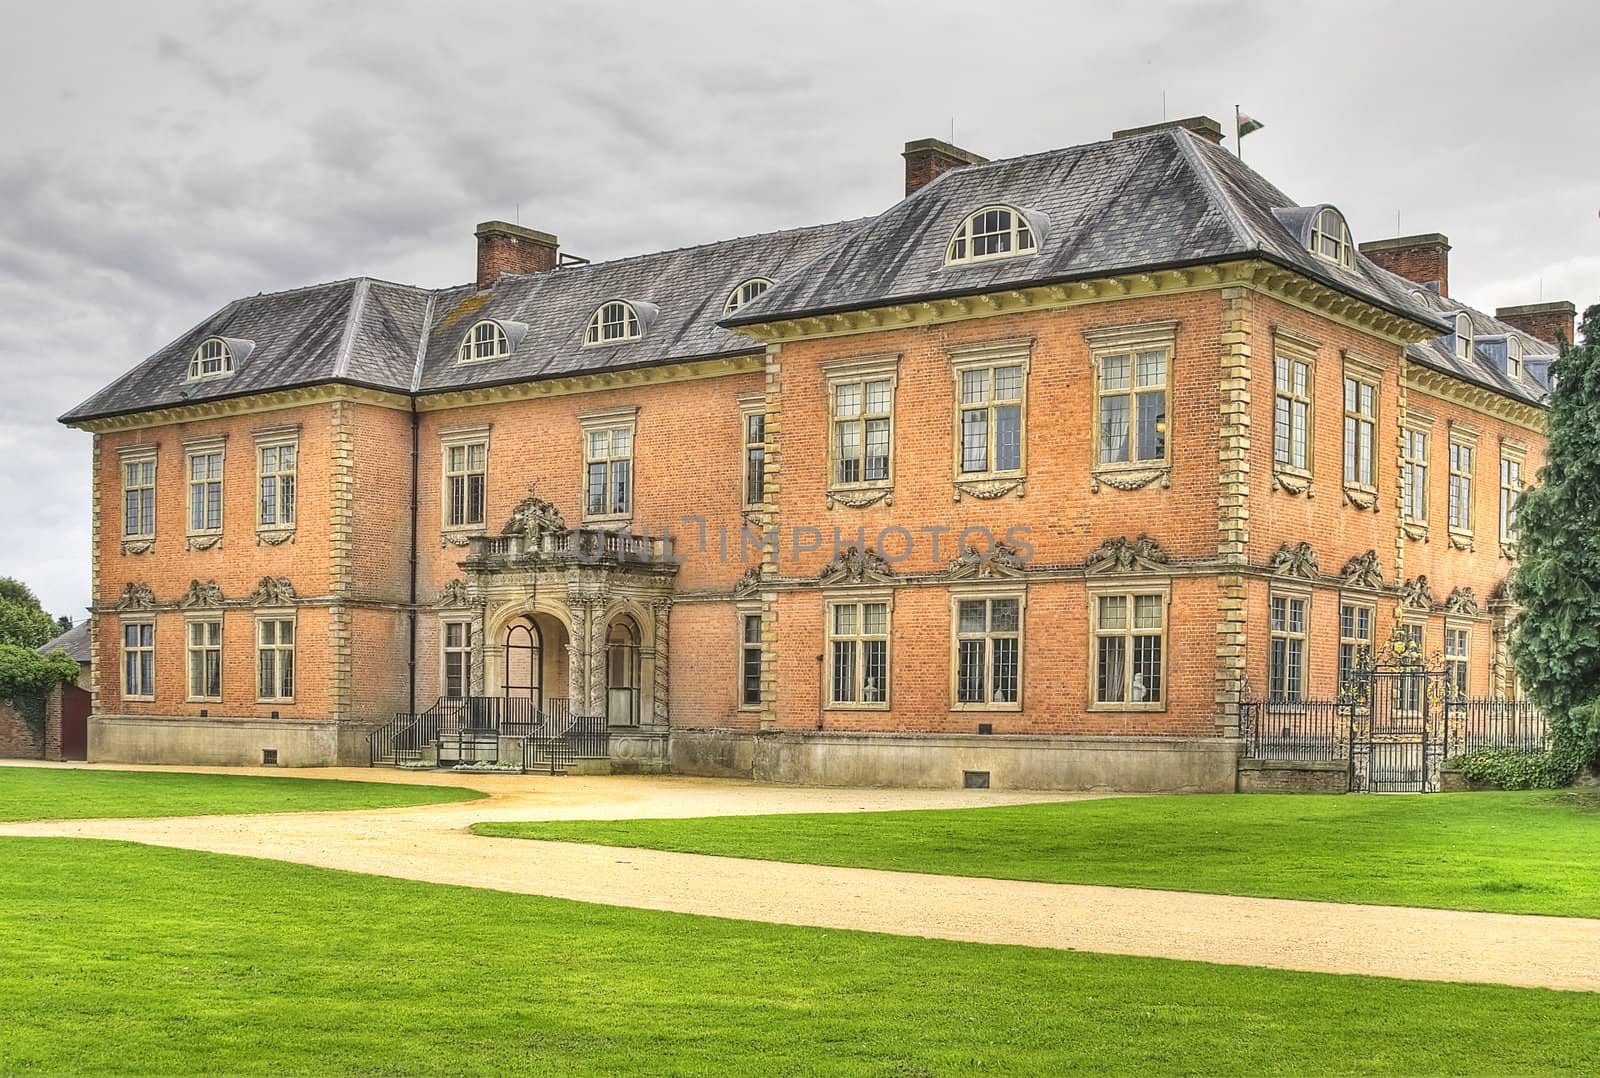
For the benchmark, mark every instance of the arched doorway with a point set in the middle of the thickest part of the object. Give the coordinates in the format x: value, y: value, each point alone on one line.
x: 524, y: 667
x: 622, y: 672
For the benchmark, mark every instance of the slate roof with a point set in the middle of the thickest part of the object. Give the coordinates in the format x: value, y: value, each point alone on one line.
x: 75, y: 642
x: 1166, y: 198
x: 1487, y: 365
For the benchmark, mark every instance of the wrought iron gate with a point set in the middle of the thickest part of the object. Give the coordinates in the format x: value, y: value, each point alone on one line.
x: 1399, y: 725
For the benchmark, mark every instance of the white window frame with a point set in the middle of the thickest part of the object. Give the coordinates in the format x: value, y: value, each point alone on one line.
x: 1294, y: 410
x: 614, y: 322
x: 1329, y: 226
x: 213, y: 351
x: 859, y: 599
x: 460, y: 650
x: 1013, y: 238
x: 859, y: 373
x: 280, y: 478
x: 1133, y: 343
x: 609, y: 425
x: 145, y: 690
x: 988, y: 596
x: 1358, y: 420
x: 278, y: 650
x: 744, y: 292
x: 144, y: 488
x: 1300, y: 670
x: 1463, y: 339
x: 208, y: 647
x: 748, y: 617
x: 1513, y: 356
x: 752, y: 450
x: 1458, y: 659
x: 1129, y: 590
x: 205, y: 449
x: 465, y: 439
x: 1416, y: 448
x: 988, y: 358
x: 1351, y: 640
x: 484, y: 341
x: 1461, y: 492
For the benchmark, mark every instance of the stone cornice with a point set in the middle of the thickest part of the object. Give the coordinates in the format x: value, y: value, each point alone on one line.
x: 1267, y: 278
x: 274, y: 400
x: 1422, y: 379
x: 687, y: 371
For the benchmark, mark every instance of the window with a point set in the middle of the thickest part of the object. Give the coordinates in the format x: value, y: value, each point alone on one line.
x: 749, y: 660
x: 1355, y: 642
x: 212, y: 358
x: 205, y: 490
x: 1513, y: 356
x: 1457, y: 665
x: 1461, y: 486
x: 1360, y: 420
x: 466, y: 479
x: 1133, y: 406
x: 613, y: 322
x: 1409, y: 686
x: 457, y: 659
x: 991, y: 419
x: 745, y: 293
x: 754, y: 420
x: 139, y: 495
x: 996, y: 232
x: 275, y: 659
x: 1510, y: 491
x: 862, y: 419
x: 1463, y: 337
x: 608, y: 465
x: 988, y: 644
x: 276, y: 467
x: 205, y: 660
x: 1129, y: 630
x: 1286, y: 657
x: 1330, y: 238
x: 858, y: 653
x: 1291, y: 426
x: 486, y: 340
x: 138, y: 660
x: 1414, y: 475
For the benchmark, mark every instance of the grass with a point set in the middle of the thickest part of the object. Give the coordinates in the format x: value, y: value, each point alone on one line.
x: 134, y: 959
x: 1501, y: 852
x: 40, y: 793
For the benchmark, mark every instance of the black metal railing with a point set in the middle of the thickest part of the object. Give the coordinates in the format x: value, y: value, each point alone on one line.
x: 583, y: 737
x: 467, y: 730
x: 1474, y: 724
x: 1308, y: 730
x: 1313, y: 730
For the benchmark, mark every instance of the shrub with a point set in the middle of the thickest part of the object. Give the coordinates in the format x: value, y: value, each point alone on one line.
x: 24, y: 672
x: 1513, y: 769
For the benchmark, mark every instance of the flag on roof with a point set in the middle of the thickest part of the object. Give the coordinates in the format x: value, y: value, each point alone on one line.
x: 1247, y: 125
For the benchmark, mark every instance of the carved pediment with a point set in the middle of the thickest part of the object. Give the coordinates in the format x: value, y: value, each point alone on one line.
x: 273, y: 591
x: 1123, y: 555
x: 201, y: 596
x: 1462, y: 600
x: 453, y: 594
x: 1363, y: 571
x: 854, y: 566
x: 999, y: 562
x: 1417, y: 594
x: 534, y: 518
x: 136, y: 597
x: 1297, y: 560
x: 749, y: 582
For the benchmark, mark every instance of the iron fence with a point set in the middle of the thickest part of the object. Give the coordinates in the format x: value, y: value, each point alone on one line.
x: 1316, y: 730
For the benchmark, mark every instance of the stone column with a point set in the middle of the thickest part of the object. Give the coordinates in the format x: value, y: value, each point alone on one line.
x: 661, y: 611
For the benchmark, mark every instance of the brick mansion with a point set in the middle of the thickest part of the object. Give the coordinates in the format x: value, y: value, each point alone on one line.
x: 1038, y: 475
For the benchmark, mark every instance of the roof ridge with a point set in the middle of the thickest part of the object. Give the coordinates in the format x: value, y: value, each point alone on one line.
x: 422, y: 342
x: 352, y: 319
x: 1208, y: 179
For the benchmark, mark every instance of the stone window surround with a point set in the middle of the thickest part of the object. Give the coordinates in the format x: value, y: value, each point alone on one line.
x: 123, y: 621
x: 1128, y: 585
x: 1455, y: 625
x: 747, y: 608
x: 862, y: 369
x: 204, y: 538
x: 1010, y: 352
x: 1415, y: 422
x: 445, y: 650
x: 453, y: 438
x: 832, y: 597
x: 207, y: 617
x: 1515, y: 452
x: 1360, y: 602
x: 276, y: 615
x: 1305, y: 593
x: 750, y: 405
x: 277, y: 438
x: 1367, y: 372
x: 138, y: 454
x: 1112, y: 340
x: 1297, y: 348
x: 1462, y: 536
x: 610, y: 420
x: 987, y: 590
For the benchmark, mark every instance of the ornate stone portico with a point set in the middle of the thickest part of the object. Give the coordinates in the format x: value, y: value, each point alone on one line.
x: 576, y: 620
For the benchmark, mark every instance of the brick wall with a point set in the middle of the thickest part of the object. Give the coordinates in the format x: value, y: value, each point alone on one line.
x: 20, y: 739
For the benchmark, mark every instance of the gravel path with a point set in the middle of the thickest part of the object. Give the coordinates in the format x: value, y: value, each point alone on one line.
x: 431, y: 843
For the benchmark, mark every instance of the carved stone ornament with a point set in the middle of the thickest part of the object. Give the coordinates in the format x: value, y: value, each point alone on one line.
x: 1123, y: 555
x: 1461, y: 541
x: 1416, y: 594
x: 274, y: 538
x: 1362, y: 497
x: 453, y: 594
x: 1414, y: 531
x: 1298, y: 560
x: 854, y: 566
x: 988, y: 489
x: 203, y: 542
x: 1363, y: 571
x: 273, y: 591
x: 534, y: 518
x: 201, y: 596
x: 1294, y: 484
x: 1462, y: 600
x: 749, y: 582
x: 999, y: 562
x: 1500, y: 594
x: 860, y: 499
x: 1129, y: 480
x: 455, y: 538
x: 136, y: 597
x: 138, y: 546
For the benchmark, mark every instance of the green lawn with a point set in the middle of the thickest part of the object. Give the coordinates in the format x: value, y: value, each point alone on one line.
x: 42, y: 793
x: 1504, y: 852
x: 135, y: 959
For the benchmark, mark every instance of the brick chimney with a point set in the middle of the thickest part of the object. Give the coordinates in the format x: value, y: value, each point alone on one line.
x: 1204, y: 126
x: 929, y: 158
x: 508, y: 248
x: 1554, y: 321
x: 1424, y: 259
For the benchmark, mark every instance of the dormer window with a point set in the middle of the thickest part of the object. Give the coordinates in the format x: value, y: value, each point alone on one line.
x: 486, y: 340
x: 613, y: 323
x: 1330, y: 238
x: 211, y: 359
x: 1463, y: 337
x: 1513, y: 356
x: 745, y: 293
x: 996, y: 232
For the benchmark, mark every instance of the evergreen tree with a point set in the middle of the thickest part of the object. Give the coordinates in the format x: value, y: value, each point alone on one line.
x: 1556, y: 644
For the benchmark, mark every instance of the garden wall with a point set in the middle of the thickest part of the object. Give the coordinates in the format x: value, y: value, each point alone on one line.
x: 30, y: 728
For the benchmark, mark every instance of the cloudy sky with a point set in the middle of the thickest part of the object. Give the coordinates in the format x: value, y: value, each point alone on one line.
x: 159, y: 159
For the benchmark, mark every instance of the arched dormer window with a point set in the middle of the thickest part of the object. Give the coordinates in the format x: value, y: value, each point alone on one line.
x: 1463, y: 337
x: 745, y: 293
x: 994, y: 232
x: 1513, y: 356
x: 1330, y: 238
x: 486, y: 340
x: 614, y: 322
x: 212, y: 359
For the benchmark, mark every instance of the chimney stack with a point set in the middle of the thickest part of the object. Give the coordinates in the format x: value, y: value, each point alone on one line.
x: 929, y: 158
x: 1554, y: 321
x: 508, y: 248
x: 1204, y: 126
x: 1423, y: 259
